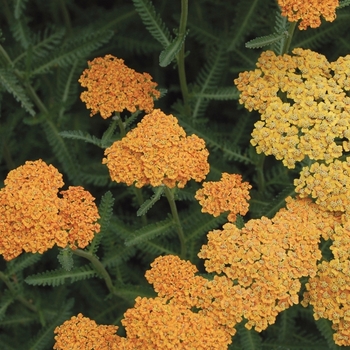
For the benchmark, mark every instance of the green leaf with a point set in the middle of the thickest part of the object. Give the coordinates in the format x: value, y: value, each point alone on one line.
x: 20, y: 263
x: 266, y: 40
x: 343, y: 3
x: 153, y: 22
x: 219, y: 94
x: 149, y: 232
x: 6, y: 300
x: 79, y: 135
x: 57, y: 277
x: 65, y: 257
x: 148, y: 204
x: 10, y: 82
x: 170, y: 52
x: 106, y: 139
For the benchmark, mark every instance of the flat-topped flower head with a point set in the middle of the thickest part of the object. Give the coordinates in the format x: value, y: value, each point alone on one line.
x: 267, y: 257
x: 303, y: 104
x: 113, y: 87
x: 328, y: 184
x: 34, y: 217
x: 309, y: 12
x: 229, y: 194
x: 155, y: 324
x: 157, y: 152
x: 328, y: 293
x: 84, y: 334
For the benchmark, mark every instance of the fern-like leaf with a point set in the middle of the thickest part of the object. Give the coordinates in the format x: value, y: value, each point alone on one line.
x: 266, y: 40
x: 55, y: 278
x: 65, y: 257
x: 281, y: 26
x: 81, y: 136
x: 250, y: 339
x: 19, y: 6
x: 131, y: 292
x: 343, y: 3
x: 10, y: 82
x: 325, y: 328
x: 148, y: 204
x: 106, y: 139
x: 153, y: 22
x: 6, y: 300
x: 170, y: 52
x: 105, y: 210
x: 219, y: 94
x: 149, y: 232
x: 20, y: 263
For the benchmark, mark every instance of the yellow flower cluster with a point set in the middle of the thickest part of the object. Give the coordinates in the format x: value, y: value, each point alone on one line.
x: 268, y: 257
x: 308, y: 11
x: 34, y: 218
x: 157, y: 152
x: 304, y: 109
x: 328, y: 293
x: 228, y: 194
x: 113, y: 87
x: 329, y: 185
x: 81, y: 333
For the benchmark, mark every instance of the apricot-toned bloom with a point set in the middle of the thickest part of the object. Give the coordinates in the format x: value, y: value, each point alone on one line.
x: 34, y: 218
x: 309, y: 11
x: 328, y: 184
x: 113, y: 87
x: 157, y: 152
x: 79, y: 214
x: 303, y: 105
x: 268, y: 257
x: 229, y: 194
x: 328, y: 293
x: 155, y: 324
x: 81, y: 333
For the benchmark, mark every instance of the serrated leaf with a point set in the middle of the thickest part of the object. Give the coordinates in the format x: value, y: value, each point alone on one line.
x: 79, y: 135
x: 170, y: 52
x: 10, y: 82
x: 20, y: 263
x: 148, y: 204
x: 265, y: 40
x: 65, y: 257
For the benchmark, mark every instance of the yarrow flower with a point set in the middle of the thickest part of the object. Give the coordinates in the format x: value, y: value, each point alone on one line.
x: 328, y: 293
x: 157, y: 152
x: 84, y: 334
x: 229, y: 194
x: 268, y: 257
x: 113, y: 87
x: 328, y: 184
x: 309, y: 11
x: 304, y: 108
x: 34, y: 218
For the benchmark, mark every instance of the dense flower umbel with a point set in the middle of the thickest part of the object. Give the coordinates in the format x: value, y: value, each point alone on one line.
x: 329, y: 185
x: 34, y: 218
x: 304, y: 109
x: 155, y: 324
x: 309, y: 11
x: 228, y: 194
x: 157, y: 152
x: 113, y: 87
x: 328, y: 292
x: 81, y: 333
x: 267, y: 257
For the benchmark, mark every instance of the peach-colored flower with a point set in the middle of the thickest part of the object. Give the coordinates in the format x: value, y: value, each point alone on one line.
x: 113, y: 87
x: 229, y: 194
x: 309, y: 12
x: 157, y: 152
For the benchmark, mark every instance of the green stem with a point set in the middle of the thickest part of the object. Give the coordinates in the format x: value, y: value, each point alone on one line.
x: 12, y: 289
x: 170, y: 196
x: 287, y: 43
x: 140, y: 201
x: 98, y: 266
x: 181, y: 55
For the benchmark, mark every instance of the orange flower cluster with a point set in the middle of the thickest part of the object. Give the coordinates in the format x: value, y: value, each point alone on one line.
x: 329, y: 185
x: 32, y: 216
x: 304, y: 109
x: 328, y: 293
x: 309, y: 11
x: 267, y: 257
x: 155, y: 324
x: 113, y: 87
x: 228, y: 194
x: 157, y: 152
x: 81, y: 333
